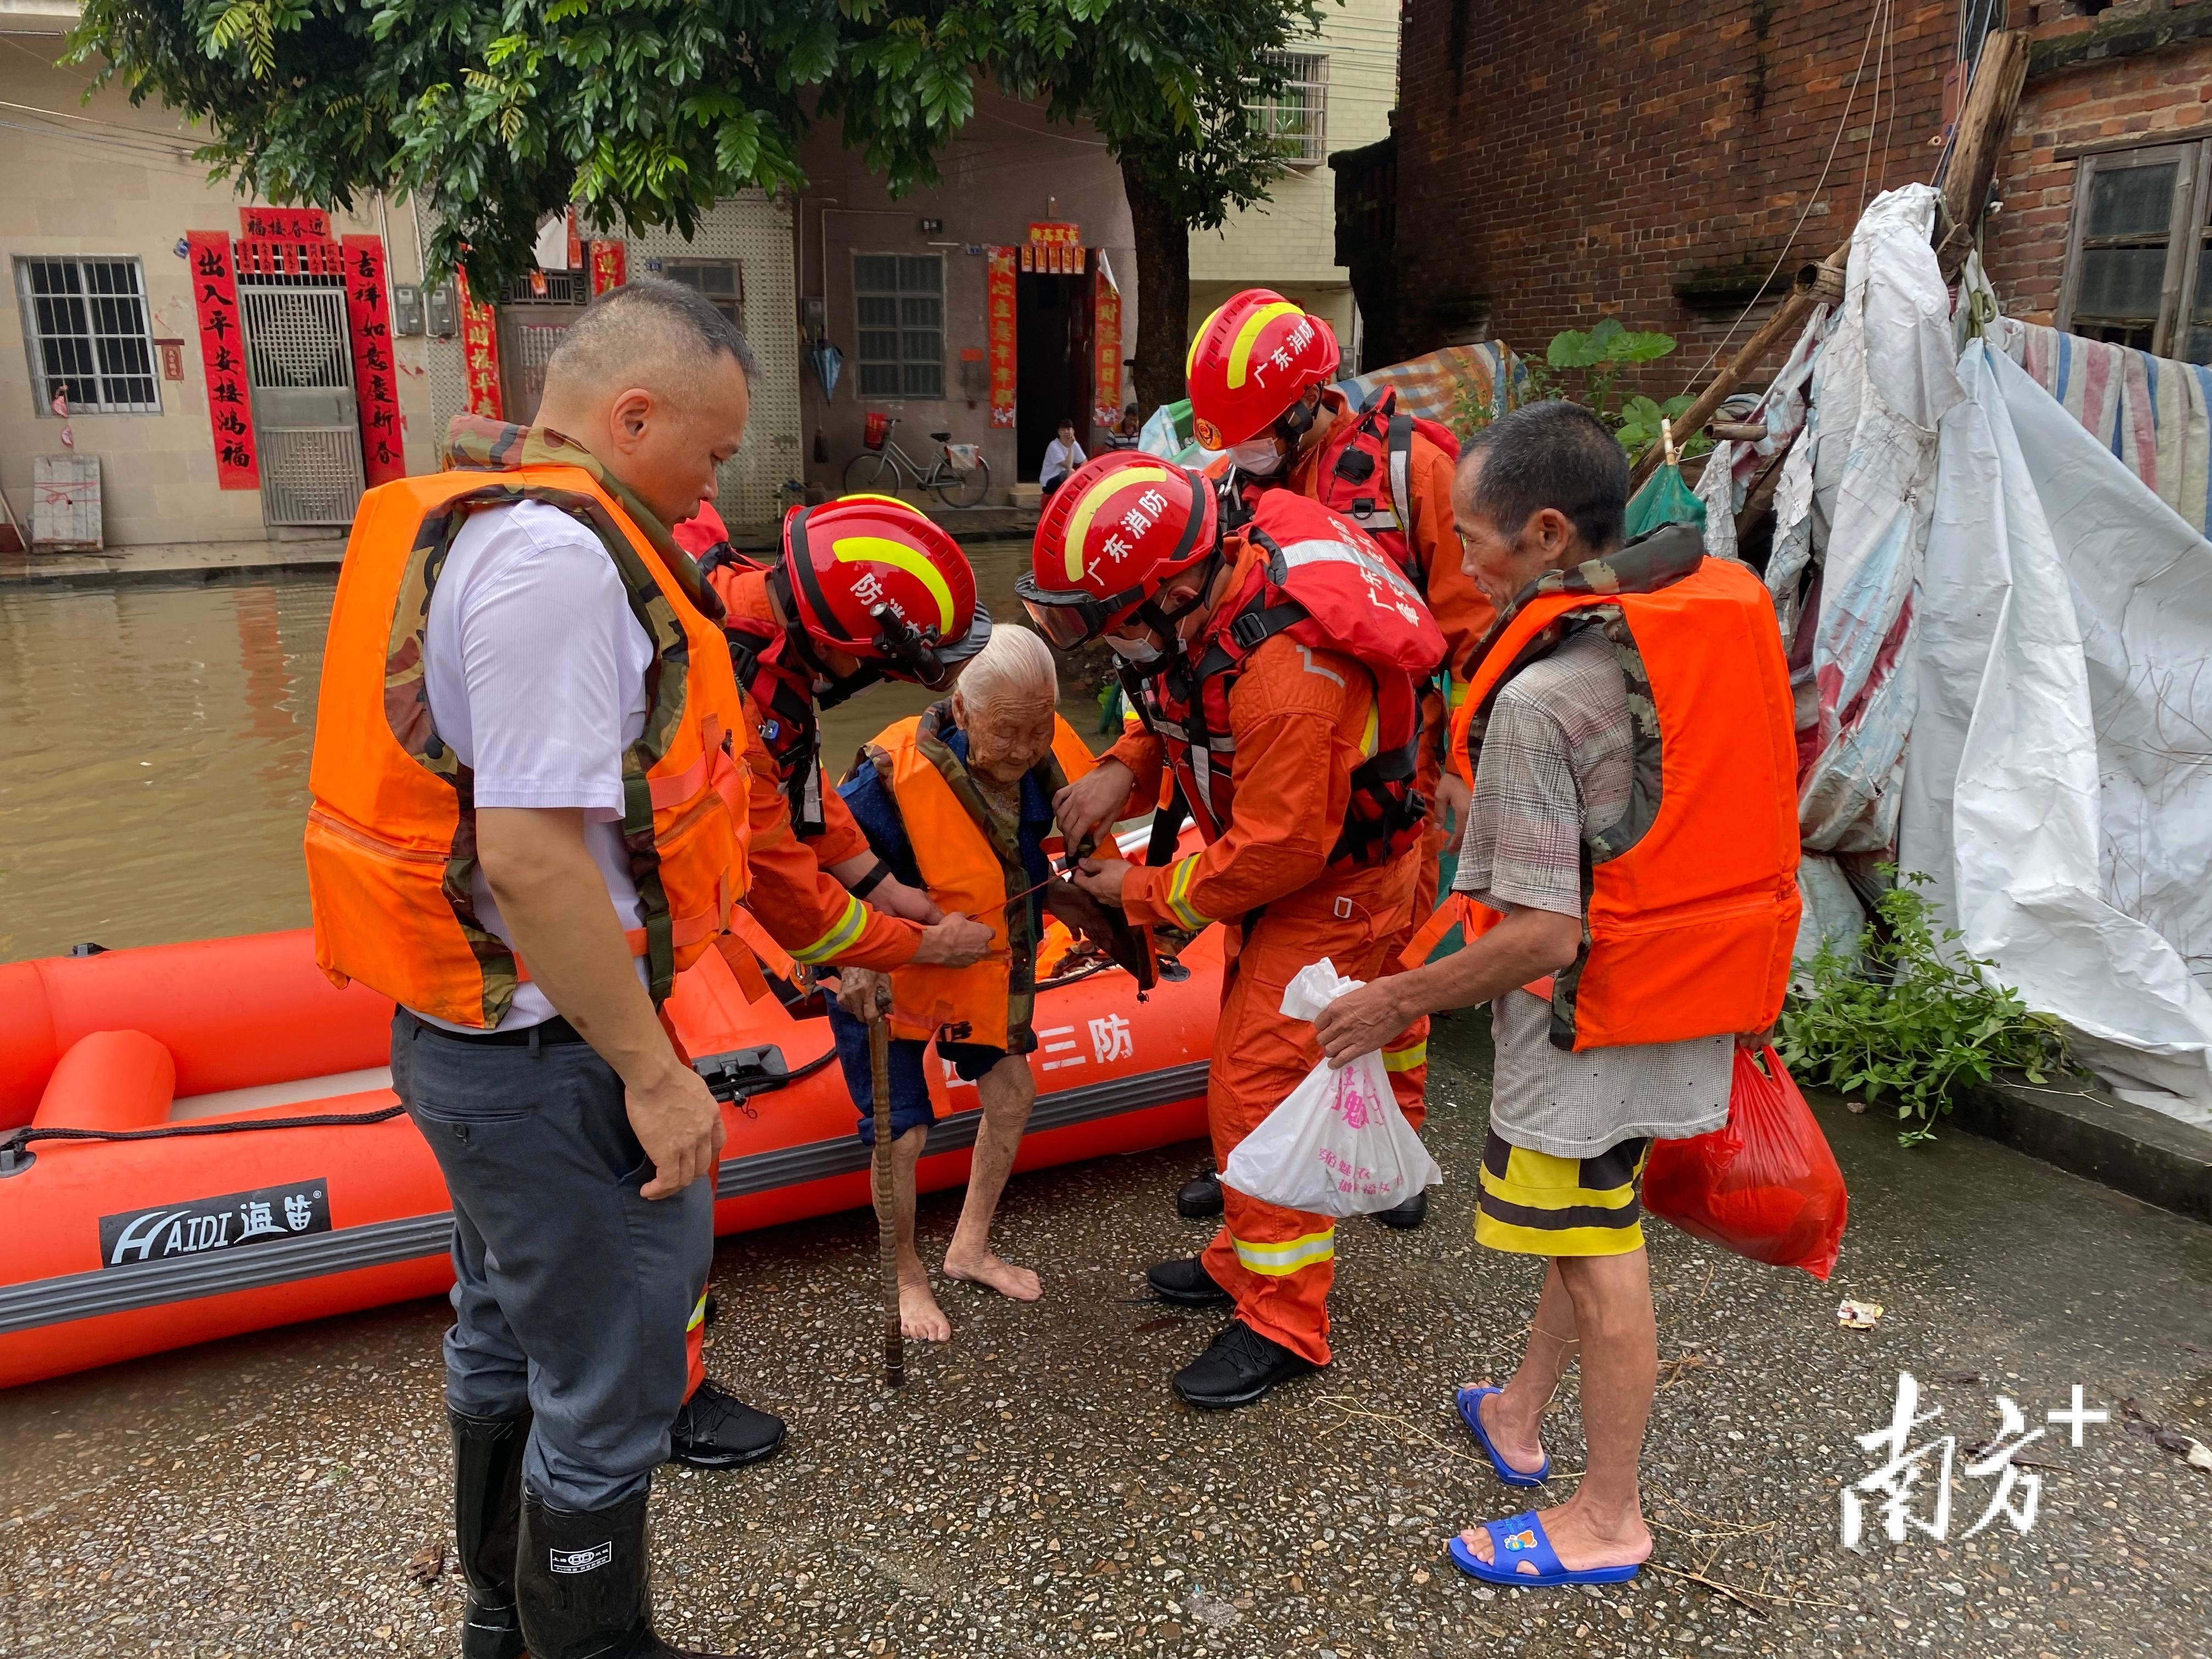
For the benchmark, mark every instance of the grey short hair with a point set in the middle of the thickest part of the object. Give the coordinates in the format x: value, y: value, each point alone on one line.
x: 1013, y: 663
x: 1555, y: 454
x: 648, y: 320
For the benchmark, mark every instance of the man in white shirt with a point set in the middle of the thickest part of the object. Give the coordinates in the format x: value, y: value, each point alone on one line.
x: 579, y: 1147
x: 1061, y: 457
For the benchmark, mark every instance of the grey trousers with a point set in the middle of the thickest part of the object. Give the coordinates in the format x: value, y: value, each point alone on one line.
x: 572, y: 1292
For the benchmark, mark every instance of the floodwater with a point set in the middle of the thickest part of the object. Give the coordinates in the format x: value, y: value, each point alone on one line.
x: 153, y: 745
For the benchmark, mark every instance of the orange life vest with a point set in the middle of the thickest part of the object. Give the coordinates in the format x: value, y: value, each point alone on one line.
x: 1365, y: 471
x: 1691, y: 910
x: 1323, y: 584
x: 968, y: 864
x: 390, y: 837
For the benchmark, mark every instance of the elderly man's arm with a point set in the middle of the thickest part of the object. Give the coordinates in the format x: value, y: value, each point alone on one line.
x: 1527, y: 945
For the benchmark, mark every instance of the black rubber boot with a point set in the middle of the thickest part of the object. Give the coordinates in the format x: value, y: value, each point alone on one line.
x: 1239, y: 1369
x: 1185, y: 1282
x: 486, y: 1511
x: 1200, y: 1196
x: 1407, y: 1217
x: 581, y: 1582
x: 715, y: 1429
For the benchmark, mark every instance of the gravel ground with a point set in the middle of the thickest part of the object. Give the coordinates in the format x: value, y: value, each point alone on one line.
x: 1034, y: 1489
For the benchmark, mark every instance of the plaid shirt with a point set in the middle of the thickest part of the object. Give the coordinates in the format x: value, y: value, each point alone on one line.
x: 1554, y: 771
x: 1555, y: 758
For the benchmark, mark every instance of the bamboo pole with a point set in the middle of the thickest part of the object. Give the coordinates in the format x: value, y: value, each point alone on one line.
x: 879, y: 1078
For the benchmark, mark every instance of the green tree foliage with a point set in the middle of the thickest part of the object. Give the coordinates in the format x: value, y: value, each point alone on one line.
x: 495, y: 113
x: 1585, y: 366
x: 1910, y: 1018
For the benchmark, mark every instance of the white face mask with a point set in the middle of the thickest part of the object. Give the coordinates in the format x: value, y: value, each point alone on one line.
x: 1137, y: 654
x: 1261, y: 456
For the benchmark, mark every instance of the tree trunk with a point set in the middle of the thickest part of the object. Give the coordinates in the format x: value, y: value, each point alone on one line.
x: 1163, y: 289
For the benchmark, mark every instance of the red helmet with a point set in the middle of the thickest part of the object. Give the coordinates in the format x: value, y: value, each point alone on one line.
x: 872, y: 577
x: 1111, y: 538
x: 1251, y: 360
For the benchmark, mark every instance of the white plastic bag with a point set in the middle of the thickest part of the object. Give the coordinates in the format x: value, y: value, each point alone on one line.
x: 1338, y: 1144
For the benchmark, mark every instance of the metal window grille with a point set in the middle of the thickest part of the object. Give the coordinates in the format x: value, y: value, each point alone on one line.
x: 562, y: 287
x: 899, y: 302
x: 1297, y: 116
x: 721, y: 280
x: 84, y: 325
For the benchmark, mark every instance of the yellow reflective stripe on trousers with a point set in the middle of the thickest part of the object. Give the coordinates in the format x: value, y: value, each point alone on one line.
x: 698, y: 1315
x: 1287, y: 1257
x: 1178, y: 889
x: 1404, y: 1059
x: 839, y: 937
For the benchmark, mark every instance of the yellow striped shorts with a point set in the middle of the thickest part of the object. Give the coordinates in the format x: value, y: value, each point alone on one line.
x: 1535, y: 1204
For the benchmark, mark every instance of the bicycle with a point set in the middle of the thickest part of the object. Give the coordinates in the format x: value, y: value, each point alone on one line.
x: 881, y: 471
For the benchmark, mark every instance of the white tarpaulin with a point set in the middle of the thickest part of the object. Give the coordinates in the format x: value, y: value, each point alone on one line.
x: 2059, y: 784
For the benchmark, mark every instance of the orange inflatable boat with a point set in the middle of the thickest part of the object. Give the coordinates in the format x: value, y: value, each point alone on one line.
x: 201, y: 1139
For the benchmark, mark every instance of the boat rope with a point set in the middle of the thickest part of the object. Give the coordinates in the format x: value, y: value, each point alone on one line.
x: 14, y: 1144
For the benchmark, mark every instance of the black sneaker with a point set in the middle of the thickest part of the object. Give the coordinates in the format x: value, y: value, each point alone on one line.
x: 1185, y: 1282
x: 1239, y: 1369
x: 1200, y: 1198
x: 715, y: 1429
x: 1407, y: 1216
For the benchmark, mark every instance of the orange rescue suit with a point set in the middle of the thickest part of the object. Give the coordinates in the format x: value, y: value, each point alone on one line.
x: 1298, y: 716
x: 391, y: 841
x: 1694, y: 902
x: 803, y: 907
x: 1427, y: 544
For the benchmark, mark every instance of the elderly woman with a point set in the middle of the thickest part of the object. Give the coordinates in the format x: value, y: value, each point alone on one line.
x: 957, y: 801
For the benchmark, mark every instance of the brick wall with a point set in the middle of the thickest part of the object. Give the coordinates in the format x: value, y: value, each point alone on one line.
x: 2164, y: 92
x: 1560, y: 160
x: 1579, y: 157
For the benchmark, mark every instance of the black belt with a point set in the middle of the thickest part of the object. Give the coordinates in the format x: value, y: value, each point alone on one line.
x: 554, y: 1030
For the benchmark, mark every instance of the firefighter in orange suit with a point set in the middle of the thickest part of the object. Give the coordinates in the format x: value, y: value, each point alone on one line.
x: 864, y: 588
x: 1278, y: 670
x: 1260, y: 371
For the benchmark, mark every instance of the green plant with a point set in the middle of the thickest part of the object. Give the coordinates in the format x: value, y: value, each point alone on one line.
x: 1907, y: 1022
x: 1584, y: 367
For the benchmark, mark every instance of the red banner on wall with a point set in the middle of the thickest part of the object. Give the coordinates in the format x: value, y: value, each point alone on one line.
x: 1106, y: 343
x: 609, y: 264
x: 1000, y: 294
x: 375, y: 381
x: 223, y: 352
x: 288, y: 224
x: 479, y: 352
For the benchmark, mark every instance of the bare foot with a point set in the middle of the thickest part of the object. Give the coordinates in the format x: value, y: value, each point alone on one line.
x: 920, y: 1320
x: 1581, y: 1543
x: 1523, y: 1451
x: 984, y: 1267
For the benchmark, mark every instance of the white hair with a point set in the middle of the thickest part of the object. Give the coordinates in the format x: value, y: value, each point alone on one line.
x: 1014, y: 663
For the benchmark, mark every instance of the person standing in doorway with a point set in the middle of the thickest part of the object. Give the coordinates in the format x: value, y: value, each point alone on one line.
x: 1061, y: 457
x: 528, y: 817
x: 1627, y: 936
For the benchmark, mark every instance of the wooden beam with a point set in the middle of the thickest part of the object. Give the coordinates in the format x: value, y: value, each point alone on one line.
x: 1984, y: 128
x: 1788, y: 317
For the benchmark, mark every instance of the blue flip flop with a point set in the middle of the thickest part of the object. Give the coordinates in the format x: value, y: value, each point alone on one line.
x: 1469, y: 1401
x: 1521, y: 1538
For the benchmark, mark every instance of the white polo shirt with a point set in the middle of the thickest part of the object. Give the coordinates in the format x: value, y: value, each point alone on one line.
x: 535, y: 667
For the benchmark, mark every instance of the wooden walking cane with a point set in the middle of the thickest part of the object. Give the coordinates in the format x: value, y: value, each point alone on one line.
x: 879, y: 1079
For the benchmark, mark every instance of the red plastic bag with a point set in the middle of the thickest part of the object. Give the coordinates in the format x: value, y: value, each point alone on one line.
x: 1766, y: 1185
x: 877, y: 429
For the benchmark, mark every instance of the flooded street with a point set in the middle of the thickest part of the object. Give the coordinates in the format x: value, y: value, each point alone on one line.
x: 153, y: 745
